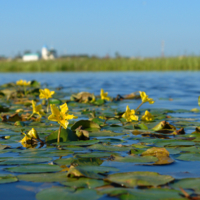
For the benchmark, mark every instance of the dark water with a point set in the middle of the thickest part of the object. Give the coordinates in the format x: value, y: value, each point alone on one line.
x: 171, y: 90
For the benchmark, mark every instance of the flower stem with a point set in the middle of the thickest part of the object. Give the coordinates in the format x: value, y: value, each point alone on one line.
x: 138, y: 107
x: 30, y: 116
x: 59, y: 131
x: 47, y: 105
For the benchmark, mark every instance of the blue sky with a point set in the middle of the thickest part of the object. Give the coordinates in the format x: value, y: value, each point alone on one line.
x: 100, y: 27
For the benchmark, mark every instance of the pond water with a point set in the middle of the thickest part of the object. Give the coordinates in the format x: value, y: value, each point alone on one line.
x: 182, y: 88
x: 170, y: 90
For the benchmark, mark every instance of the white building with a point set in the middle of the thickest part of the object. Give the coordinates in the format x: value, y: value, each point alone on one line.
x: 31, y: 57
x: 48, y: 55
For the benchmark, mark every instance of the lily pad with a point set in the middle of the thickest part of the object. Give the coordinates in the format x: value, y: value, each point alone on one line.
x: 133, y: 179
x: 7, y: 178
x: 135, y: 159
x: 84, y: 183
x: 38, y: 168
x: 43, y: 177
x: 189, y: 157
x: 85, y: 125
x: 65, y: 135
x: 187, y: 183
x: 25, y: 160
x: 63, y: 193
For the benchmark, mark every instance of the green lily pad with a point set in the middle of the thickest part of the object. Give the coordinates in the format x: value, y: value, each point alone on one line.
x: 79, y: 172
x: 102, y: 147
x: 187, y: 183
x: 150, y: 194
x: 25, y: 160
x: 43, y: 177
x: 79, y: 143
x: 63, y: 193
x: 133, y: 179
x: 7, y: 178
x: 189, y: 157
x: 84, y: 183
x: 135, y: 159
x: 64, y: 161
x: 104, y: 133
x: 85, y: 125
x: 91, y: 161
x: 96, y: 155
x: 38, y: 168
x: 65, y: 135
x: 55, y: 101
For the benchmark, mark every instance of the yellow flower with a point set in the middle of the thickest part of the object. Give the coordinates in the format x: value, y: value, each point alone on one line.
x: 32, y: 134
x: 23, y: 83
x: 102, y: 117
x: 104, y: 95
x: 145, y: 98
x: 37, y: 109
x: 46, y: 94
x: 147, y: 116
x: 62, y: 116
x: 129, y: 115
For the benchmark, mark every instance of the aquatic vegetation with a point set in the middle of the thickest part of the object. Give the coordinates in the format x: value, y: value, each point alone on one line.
x: 129, y: 115
x: 104, y: 95
x: 101, y: 64
x: 23, y: 83
x: 61, y: 116
x: 88, y: 147
x: 46, y: 93
x: 37, y: 109
x: 147, y: 116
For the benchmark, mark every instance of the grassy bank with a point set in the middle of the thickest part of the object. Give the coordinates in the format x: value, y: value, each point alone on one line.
x: 94, y: 64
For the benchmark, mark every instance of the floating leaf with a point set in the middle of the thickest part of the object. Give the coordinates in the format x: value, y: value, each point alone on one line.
x: 7, y: 178
x: 25, y: 160
x: 85, y: 125
x: 38, y: 168
x: 133, y: 179
x: 135, y: 159
x: 62, y: 193
x: 84, y: 183
x: 79, y: 143
x: 65, y: 135
x: 78, y: 172
x: 55, y: 101
x: 164, y: 127
x: 43, y: 177
x: 187, y: 183
x: 189, y: 157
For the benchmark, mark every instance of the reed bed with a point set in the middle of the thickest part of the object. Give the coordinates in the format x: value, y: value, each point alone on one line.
x: 97, y: 64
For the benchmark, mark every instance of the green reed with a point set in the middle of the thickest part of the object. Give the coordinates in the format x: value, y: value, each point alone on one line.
x: 97, y: 64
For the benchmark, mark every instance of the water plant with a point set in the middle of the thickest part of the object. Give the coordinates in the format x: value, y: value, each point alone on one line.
x: 61, y: 116
x: 46, y: 94
x: 107, y: 153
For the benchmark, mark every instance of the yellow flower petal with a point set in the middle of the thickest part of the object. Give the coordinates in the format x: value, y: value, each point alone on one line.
x: 104, y: 95
x: 147, y: 116
x: 33, y: 134
x: 62, y: 116
x: 145, y: 98
x: 129, y: 115
x: 46, y: 93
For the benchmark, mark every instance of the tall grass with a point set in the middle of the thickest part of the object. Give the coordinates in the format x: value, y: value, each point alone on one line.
x: 95, y: 64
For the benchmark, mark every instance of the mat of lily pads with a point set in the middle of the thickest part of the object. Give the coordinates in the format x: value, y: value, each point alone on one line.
x: 87, y: 147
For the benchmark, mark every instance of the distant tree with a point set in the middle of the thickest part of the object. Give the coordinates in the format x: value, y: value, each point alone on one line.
x: 27, y: 51
x: 18, y: 56
x: 117, y: 54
